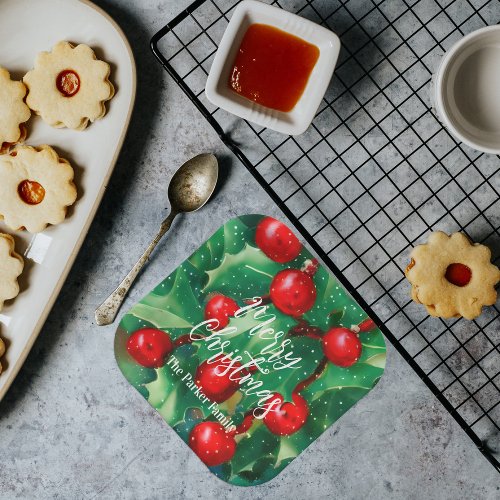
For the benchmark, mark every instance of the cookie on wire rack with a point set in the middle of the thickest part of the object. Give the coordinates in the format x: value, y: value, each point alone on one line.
x: 452, y: 277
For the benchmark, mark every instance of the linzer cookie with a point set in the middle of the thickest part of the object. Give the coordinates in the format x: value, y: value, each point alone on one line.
x: 36, y: 187
x: 13, y: 111
x: 250, y: 350
x: 452, y: 277
x: 69, y: 86
x: 11, y: 266
x: 2, y: 352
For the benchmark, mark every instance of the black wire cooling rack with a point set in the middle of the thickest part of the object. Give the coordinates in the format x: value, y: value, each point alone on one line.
x: 374, y: 174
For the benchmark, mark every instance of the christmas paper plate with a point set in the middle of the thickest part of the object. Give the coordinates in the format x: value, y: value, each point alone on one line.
x: 250, y: 350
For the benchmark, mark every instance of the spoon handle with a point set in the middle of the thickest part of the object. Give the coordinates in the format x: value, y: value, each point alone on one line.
x: 106, y: 313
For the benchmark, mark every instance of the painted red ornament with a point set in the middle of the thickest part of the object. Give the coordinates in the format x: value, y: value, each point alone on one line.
x: 293, y: 292
x: 287, y: 418
x: 215, y: 386
x: 220, y: 307
x: 277, y: 241
x: 341, y: 346
x: 212, y: 444
x: 150, y: 347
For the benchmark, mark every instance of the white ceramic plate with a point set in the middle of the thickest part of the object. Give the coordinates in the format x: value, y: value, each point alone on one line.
x: 26, y: 28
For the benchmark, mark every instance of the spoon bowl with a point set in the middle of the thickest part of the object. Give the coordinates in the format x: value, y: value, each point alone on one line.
x: 194, y: 183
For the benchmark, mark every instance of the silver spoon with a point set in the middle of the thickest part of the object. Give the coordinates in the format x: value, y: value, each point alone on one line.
x: 190, y: 188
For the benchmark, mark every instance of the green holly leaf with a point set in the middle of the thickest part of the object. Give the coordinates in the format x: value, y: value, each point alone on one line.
x: 192, y: 416
x: 335, y: 318
x: 330, y: 301
x: 373, y: 339
x: 374, y: 353
x: 163, y: 320
x: 377, y: 360
x: 223, y: 471
x: 251, y: 221
x: 359, y: 376
x: 330, y: 406
x: 229, y: 239
x: 246, y: 274
x: 288, y: 450
x: 262, y: 465
x: 257, y: 444
x: 180, y: 307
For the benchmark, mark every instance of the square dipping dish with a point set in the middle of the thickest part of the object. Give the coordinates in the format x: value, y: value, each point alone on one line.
x: 298, y: 119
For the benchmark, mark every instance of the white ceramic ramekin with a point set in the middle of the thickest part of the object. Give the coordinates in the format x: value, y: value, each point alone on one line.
x: 300, y: 117
x: 467, y: 90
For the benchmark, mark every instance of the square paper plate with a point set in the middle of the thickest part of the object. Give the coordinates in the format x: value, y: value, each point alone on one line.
x: 26, y: 28
x: 250, y: 350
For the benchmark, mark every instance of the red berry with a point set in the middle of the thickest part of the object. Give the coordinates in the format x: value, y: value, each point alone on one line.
x: 215, y: 386
x: 220, y: 308
x: 293, y: 292
x: 149, y: 347
x: 212, y: 444
x: 276, y: 240
x: 341, y: 346
x: 287, y: 418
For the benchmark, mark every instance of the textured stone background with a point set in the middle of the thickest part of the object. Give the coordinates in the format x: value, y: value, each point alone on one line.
x: 72, y: 427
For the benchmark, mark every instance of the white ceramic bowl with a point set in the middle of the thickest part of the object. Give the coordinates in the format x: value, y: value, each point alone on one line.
x: 467, y: 90
x: 300, y: 117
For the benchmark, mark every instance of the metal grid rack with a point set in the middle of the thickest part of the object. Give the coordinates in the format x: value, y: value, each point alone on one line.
x: 374, y: 174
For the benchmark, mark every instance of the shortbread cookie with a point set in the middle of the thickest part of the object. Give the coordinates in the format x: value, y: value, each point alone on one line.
x: 36, y: 187
x: 13, y: 111
x: 69, y: 86
x: 11, y: 266
x: 2, y: 352
x: 452, y: 276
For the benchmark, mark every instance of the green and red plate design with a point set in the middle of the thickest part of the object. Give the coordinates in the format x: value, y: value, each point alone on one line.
x: 250, y: 350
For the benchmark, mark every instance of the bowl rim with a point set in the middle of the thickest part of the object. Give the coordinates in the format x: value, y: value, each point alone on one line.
x: 440, y: 92
x: 254, y: 112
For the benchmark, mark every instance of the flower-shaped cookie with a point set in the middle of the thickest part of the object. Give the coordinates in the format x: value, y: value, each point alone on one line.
x: 11, y: 266
x: 36, y: 187
x: 452, y: 276
x: 13, y: 111
x: 2, y: 352
x: 69, y: 86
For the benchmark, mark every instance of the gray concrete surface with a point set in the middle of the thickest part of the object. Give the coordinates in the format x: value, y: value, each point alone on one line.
x: 71, y: 426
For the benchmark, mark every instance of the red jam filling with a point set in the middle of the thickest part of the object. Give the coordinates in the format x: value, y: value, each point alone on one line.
x: 410, y: 265
x: 68, y: 83
x: 272, y: 67
x: 31, y: 192
x: 458, y: 274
